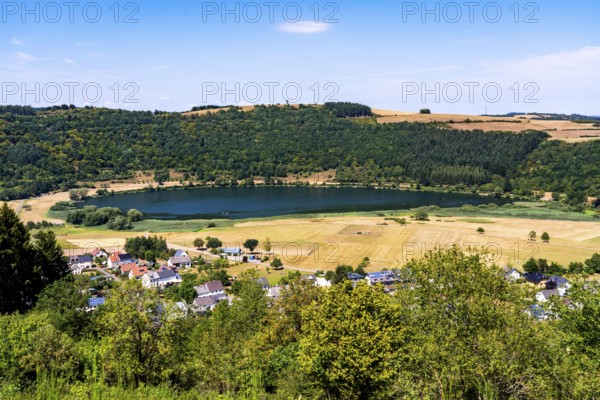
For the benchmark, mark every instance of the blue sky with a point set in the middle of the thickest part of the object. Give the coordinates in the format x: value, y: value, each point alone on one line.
x: 447, y: 56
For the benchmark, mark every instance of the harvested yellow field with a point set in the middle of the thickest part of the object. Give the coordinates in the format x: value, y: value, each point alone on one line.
x: 561, y: 130
x: 324, y: 243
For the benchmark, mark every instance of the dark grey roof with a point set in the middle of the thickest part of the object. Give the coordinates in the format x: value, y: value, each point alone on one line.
x: 125, y: 257
x: 354, y: 276
x: 205, y: 301
x: 534, y: 277
x: 215, y: 286
x: 80, y: 259
x: 166, y: 274
x: 263, y: 282
x: 558, y: 280
x: 180, y: 260
x: 208, y: 301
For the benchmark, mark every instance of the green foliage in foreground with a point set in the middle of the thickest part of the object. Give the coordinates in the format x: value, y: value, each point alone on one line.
x: 26, y: 265
x: 456, y: 330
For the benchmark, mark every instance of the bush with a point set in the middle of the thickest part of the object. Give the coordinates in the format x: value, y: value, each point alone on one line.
x: 134, y: 215
x: 422, y: 215
x: 277, y: 264
x: 120, y: 223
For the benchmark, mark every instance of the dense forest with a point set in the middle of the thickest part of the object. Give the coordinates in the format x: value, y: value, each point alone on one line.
x: 455, y: 329
x: 43, y: 150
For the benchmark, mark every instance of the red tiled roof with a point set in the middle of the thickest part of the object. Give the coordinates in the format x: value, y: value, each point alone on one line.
x: 138, y: 272
x: 125, y: 268
x: 114, y: 257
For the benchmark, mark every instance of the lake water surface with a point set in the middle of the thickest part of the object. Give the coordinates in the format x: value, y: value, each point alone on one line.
x: 257, y: 202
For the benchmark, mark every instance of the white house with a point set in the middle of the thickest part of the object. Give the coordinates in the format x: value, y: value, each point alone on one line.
x: 274, y: 293
x: 203, y: 304
x: 322, y: 282
x: 559, y: 283
x: 138, y: 272
x: 231, y: 252
x: 98, y: 253
x: 79, y: 263
x: 545, y: 295
x: 212, y: 288
x: 386, y: 278
x: 209, y: 295
x: 512, y: 275
x: 181, y: 253
x: 180, y: 262
x: 161, y: 278
x: 117, y: 259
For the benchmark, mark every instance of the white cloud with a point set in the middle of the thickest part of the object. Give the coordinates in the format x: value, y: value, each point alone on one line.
x: 70, y: 61
x: 164, y: 98
x: 24, y: 58
x: 17, y: 42
x: 304, y: 27
x: 583, y: 63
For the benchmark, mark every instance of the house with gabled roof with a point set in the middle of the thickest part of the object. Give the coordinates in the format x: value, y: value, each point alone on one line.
x: 161, y: 278
x: 180, y: 262
x: 95, y: 302
x: 512, y: 275
x: 322, y: 282
x: 181, y: 253
x: 354, y: 277
x: 117, y: 259
x: 559, y: 283
x: 212, y: 288
x: 231, y: 252
x: 386, y: 278
x: 545, y: 295
x: 98, y: 253
x: 126, y: 268
x: 137, y: 272
x: 80, y: 263
x: 204, y: 304
x: 535, y: 278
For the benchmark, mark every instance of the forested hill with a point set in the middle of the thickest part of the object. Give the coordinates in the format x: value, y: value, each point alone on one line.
x: 50, y: 149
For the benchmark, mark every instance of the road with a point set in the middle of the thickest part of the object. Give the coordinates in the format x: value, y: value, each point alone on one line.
x: 104, y: 273
x: 208, y: 255
x: 18, y: 209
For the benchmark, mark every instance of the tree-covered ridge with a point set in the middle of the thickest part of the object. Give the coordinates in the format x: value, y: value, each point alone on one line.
x: 565, y: 168
x: 53, y: 149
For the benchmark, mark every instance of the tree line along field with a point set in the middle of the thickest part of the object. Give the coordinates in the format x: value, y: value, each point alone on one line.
x: 44, y: 150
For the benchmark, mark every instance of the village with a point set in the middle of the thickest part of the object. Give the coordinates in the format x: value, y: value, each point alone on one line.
x: 120, y: 266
